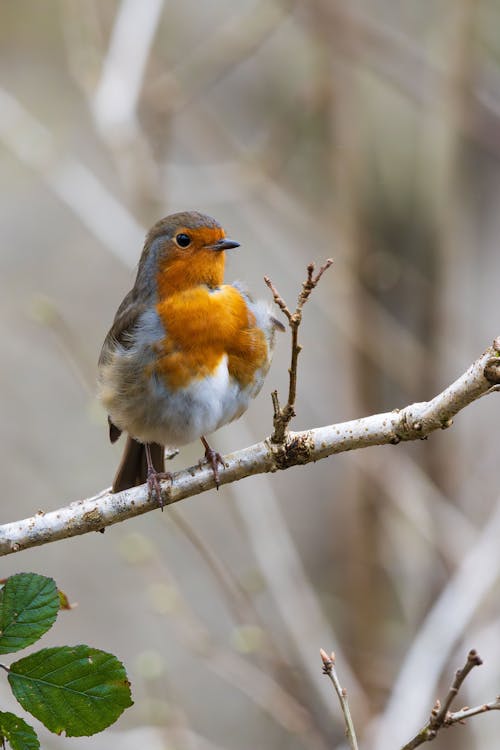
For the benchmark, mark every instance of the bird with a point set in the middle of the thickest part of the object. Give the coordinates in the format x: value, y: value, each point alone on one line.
x: 186, y: 352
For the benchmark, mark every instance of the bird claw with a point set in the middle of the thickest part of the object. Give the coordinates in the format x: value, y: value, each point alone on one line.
x: 213, y: 458
x: 154, y: 486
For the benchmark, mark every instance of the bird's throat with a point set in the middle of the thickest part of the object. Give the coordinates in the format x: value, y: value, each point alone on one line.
x: 205, y: 267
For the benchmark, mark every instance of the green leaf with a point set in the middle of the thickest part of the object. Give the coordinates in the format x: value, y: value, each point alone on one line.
x: 63, y: 597
x: 17, y: 732
x: 73, y: 689
x: 29, y: 606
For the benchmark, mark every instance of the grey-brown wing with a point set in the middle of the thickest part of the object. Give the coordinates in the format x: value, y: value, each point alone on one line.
x: 126, y: 318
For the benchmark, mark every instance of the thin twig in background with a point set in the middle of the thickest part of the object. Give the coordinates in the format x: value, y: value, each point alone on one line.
x: 329, y: 670
x: 283, y: 416
x: 441, y: 716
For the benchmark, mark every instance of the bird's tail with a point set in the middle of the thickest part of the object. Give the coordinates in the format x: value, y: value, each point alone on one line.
x: 133, y: 468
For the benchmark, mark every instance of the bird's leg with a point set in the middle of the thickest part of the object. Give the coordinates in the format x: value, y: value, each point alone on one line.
x: 214, y: 459
x: 154, y: 477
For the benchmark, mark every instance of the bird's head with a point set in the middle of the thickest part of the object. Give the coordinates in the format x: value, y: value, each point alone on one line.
x: 184, y: 250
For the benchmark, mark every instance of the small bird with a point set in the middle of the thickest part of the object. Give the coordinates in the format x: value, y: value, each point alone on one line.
x: 185, y: 353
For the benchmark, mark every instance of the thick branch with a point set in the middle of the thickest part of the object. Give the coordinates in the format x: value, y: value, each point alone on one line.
x: 413, y: 422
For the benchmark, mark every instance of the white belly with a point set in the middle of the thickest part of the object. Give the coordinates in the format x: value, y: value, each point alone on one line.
x: 198, y: 409
x: 152, y: 413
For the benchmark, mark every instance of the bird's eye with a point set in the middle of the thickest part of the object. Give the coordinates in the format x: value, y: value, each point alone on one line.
x: 183, y: 240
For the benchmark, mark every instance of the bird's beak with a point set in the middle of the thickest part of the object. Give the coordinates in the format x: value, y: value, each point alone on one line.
x: 224, y: 244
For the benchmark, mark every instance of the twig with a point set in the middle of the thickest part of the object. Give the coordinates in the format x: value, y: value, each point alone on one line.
x: 414, y: 422
x: 473, y: 660
x: 329, y: 670
x: 283, y: 416
x: 440, y: 714
x: 459, y: 717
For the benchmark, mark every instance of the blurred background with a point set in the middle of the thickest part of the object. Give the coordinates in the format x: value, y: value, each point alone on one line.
x: 368, y: 131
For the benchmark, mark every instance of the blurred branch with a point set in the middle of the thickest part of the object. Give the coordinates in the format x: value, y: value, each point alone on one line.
x: 233, y: 42
x: 423, y: 504
x: 239, y: 603
x: 289, y: 586
x: 329, y: 670
x: 117, y: 93
x: 394, y: 57
x: 167, y: 598
x: 441, y: 716
x: 303, y: 616
x: 115, y: 100
x: 414, y: 422
x: 73, y: 183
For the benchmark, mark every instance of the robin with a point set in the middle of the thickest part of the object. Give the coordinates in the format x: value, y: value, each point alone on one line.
x: 185, y: 353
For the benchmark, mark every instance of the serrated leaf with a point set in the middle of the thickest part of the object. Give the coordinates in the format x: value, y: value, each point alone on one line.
x: 63, y: 597
x: 28, y: 608
x: 73, y: 689
x: 17, y: 732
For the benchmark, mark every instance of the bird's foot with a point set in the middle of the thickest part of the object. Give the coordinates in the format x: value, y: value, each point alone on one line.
x: 154, y: 486
x: 213, y: 458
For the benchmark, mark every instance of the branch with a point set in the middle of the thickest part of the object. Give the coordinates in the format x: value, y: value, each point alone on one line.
x: 414, y: 422
x: 441, y: 715
x: 329, y: 670
x: 283, y: 417
x: 459, y: 717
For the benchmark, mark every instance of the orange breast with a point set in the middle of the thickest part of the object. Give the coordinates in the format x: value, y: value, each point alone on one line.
x: 204, y: 326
